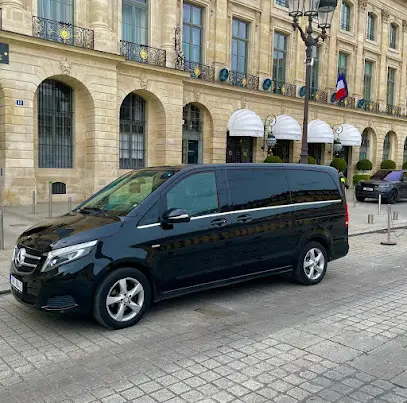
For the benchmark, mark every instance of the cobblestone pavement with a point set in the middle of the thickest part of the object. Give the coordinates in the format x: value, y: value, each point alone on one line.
x: 344, y: 340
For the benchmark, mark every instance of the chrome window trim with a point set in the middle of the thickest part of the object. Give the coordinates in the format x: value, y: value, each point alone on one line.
x: 249, y: 210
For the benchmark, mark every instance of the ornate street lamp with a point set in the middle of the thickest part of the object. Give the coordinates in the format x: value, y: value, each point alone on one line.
x: 337, y: 145
x: 324, y: 10
x: 270, y: 140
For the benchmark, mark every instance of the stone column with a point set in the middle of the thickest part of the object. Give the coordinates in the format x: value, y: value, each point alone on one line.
x: 15, y: 17
x: 359, y: 64
x: 383, y: 59
x: 223, y: 25
x: 100, y: 22
x: 168, y: 25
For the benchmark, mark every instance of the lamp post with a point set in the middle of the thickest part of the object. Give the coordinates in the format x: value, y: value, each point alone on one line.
x: 337, y: 145
x: 324, y: 9
x: 270, y: 140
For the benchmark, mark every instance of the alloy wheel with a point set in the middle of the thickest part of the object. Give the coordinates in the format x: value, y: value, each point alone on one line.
x: 314, y: 264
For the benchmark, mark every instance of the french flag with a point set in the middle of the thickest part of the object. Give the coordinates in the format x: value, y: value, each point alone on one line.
x: 341, y: 88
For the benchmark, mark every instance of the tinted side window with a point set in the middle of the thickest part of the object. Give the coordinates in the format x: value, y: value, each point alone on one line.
x: 256, y: 188
x: 310, y: 186
x: 196, y: 194
x: 152, y: 216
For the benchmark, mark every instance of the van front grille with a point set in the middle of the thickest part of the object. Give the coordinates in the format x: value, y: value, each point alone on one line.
x: 26, y: 260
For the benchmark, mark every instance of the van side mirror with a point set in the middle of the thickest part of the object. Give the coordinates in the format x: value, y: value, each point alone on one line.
x: 175, y: 216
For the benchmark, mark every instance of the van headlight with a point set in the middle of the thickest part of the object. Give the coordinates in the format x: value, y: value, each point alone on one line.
x: 58, y: 257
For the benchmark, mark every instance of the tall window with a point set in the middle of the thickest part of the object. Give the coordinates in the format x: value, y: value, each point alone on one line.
x: 386, y: 147
x: 279, y: 57
x: 240, y: 40
x: 192, y: 147
x: 345, y: 15
x: 55, y: 122
x: 343, y: 63
x: 371, y: 26
x: 132, y: 132
x: 391, y: 80
x: 282, y: 3
x: 367, y: 80
x: 393, y: 36
x: 364, y: 148
x: 56, y: 10
x: 134, y: 24
x: 192, y: 33
x: 315, y: 68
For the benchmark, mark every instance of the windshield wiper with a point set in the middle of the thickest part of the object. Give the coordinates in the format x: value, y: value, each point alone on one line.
x: 90, y: 210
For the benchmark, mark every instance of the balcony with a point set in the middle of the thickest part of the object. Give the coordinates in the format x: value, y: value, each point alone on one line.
x: 200, y: 71
x: 318, y: 95
x: 393, y: 110
x: 62, y: 32
x: 281, y: 88
x: 369, y: 106
x: 348, y: 102
x: 243, y: 80
x: 143, y: 54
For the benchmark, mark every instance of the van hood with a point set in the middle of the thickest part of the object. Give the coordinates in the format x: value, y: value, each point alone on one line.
x: 70, y: 229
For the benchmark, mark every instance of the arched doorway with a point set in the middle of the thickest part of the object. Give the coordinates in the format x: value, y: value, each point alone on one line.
x: 387, y: 149
x: 55, y: 125
x: 132, y: 148
x: 364, y: 148
x: 192, y: 133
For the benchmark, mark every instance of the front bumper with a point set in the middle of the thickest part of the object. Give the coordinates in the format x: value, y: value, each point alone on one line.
x: 373, y: 194
x: 69, y: 288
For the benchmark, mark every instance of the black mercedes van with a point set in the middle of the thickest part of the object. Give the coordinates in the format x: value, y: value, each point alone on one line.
x: 161, y: 232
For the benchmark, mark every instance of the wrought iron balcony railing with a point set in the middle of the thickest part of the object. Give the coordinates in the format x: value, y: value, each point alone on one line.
x: 200, y: 71
x: 348, y: 102
x: 318, y: 95
x: 63, y: 32
x: 371, y: 106
x: 143, y: 54
x: 279, y: 87
x: 393, y: 110
x: 244, y: 80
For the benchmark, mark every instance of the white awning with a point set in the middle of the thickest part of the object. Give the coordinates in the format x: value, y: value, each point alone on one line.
x: 350, y: 136
x: 245, y: 122
x: 287, y: 128
x: 320, y: 132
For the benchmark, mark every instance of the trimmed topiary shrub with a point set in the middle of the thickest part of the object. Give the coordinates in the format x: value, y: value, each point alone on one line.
x: 358, y: 178
x: 339, y: 163
x: 405, y: 165
x: 364, y: 165
x: 273, y: 159
x: 312, y: 160
x: 388, y: 164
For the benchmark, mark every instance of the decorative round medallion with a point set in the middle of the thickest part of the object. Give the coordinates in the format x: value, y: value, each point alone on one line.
x: 283, y: 90
x: 143, y: 54
x: 197, y: 71
x: 64, y: 34
x: 244, y: 81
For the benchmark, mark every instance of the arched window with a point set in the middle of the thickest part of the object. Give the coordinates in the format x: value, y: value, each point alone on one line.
x: 132, y: 132
x: 55, y: 122
x: 192, y: 135
x: 364, y: 148
x: 386, y: 147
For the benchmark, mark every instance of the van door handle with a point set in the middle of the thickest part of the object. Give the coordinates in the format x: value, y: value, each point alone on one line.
x: 244, y: 218
x: 219, y: 222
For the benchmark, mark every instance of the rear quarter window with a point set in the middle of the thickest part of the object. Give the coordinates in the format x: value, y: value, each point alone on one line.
x: 312, y: 186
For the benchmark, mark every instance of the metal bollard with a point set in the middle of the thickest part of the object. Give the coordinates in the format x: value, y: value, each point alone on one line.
x: 69, y: 204
x: 2, y: 229
x: 33, y: 210
x: 50, y: 200
x: 388, y: 241
x: 354, y: 198
x: 370, y: 218
x: 380, y: 205
x: 395, y: 215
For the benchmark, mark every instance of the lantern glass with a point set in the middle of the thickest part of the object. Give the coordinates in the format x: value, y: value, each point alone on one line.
x: 271, y: 141
x: 296, y: 8
x: 325, y: 19
x: 337, y: 147
x: 311, y: 7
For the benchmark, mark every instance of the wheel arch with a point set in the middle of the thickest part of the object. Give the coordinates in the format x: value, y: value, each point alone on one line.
x: 323, y: 239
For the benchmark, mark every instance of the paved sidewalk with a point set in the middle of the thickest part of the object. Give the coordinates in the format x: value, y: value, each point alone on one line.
x: 19, y: 218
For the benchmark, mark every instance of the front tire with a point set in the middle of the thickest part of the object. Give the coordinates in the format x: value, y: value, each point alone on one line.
x: 392, y: 197
x: 312, y: 264
x: 122, y: 298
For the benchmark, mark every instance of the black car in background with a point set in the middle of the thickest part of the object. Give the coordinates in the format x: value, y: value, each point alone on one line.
x: 390, y: 183
x: 158, y: 233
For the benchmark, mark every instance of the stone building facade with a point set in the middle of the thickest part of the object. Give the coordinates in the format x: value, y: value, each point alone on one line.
x: 92, y: 88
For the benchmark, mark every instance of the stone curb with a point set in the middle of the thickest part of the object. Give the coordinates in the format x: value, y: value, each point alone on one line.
x: 4, y: 290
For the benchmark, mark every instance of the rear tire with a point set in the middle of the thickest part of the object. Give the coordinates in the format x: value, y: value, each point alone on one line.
x: 312, y: 264
x: 122, y: 298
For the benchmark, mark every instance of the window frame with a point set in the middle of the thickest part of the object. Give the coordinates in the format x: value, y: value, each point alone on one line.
x: 371, y: 26
x: 136, y: 4
x: 388, y: 152
x: 343, y: 70
x: 315, y: 68
x: 240, y: 39
x: 367, y: 77
x: 281, y: 3
x: 190, y: 24
x: 284, y: 52
x: 393, y: 36
x: 391, y: 84
x: 41, y: 5
x: 346, y: 16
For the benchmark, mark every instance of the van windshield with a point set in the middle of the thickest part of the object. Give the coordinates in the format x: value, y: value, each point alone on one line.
x: 125, y: 193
